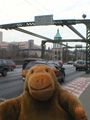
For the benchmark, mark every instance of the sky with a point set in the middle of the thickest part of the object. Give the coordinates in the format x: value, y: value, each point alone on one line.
x: 14, y: 11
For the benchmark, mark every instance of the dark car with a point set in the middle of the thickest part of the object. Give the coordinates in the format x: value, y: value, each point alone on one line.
x: 61, y: 76
x: 27, y: 60
x: 11, y: 64
x: 58, y: 62
x: 4, y: 68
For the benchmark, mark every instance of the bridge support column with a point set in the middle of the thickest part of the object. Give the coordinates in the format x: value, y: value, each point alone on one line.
x: 43, y: 50
x: 88, y: 49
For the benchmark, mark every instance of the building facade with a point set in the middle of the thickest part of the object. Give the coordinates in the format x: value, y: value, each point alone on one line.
x: 21, y: 45
x: 25, y: 49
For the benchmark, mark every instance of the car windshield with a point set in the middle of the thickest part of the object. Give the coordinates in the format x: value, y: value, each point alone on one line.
x: 80, y: 62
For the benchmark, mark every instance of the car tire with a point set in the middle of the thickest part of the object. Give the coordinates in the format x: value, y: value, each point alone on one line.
x: 4, y: 73
x: 63, y: 79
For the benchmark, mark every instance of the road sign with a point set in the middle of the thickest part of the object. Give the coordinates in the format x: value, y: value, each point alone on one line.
x: 44, y: 20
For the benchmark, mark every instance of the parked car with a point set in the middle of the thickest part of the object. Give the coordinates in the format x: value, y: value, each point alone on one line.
x: 61, y: 76
x: 4, y: 68
x: 81, y: 65
x: 11, y: 64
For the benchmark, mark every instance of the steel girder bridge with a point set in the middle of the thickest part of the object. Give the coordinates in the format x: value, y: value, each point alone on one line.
x: 48, y: 20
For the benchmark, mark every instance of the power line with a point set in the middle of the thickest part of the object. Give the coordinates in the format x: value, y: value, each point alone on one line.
x: 43, y: 7
x: 33, y: 5
x: 39, y: 5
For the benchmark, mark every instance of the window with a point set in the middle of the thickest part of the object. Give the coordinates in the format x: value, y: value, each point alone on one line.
x: 55, y: 52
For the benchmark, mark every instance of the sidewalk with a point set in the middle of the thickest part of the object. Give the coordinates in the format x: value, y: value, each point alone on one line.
x: 80, y: 87
x: 85, y: 97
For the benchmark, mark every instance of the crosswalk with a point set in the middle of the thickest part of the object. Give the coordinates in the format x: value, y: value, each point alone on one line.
x: 78, y: 86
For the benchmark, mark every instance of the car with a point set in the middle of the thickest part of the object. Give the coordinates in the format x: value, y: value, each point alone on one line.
x: 75, y: 63
x: 81, y: 65
x: 58, y: 62
x: 4, y: 68
x: 11, y: 64
x: 61, y: 76
x: 70, y: 62
x: 27, y: 60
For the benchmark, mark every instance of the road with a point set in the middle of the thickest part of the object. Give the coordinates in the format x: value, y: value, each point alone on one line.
x: 71, y: 73
x: 12, y: 85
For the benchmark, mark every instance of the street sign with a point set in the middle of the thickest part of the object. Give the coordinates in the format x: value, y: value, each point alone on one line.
x: 44, y: 20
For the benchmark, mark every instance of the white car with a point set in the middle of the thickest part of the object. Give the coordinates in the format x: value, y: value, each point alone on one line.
x: 81, y: 65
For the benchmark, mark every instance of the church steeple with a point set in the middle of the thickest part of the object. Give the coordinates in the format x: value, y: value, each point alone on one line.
x: 57, y: 36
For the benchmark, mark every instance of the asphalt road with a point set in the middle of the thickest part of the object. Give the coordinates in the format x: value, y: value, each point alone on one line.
x: 71, y: 73
x: 12, y: 85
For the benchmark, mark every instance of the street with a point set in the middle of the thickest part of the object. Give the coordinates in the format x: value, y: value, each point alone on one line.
x: 71, y: 73
x: 12, y: 85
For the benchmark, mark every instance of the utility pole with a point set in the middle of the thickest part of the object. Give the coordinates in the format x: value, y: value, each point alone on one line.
x: 43, y: 50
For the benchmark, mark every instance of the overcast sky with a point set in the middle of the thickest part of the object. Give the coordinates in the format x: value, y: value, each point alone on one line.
x: 12, y: 11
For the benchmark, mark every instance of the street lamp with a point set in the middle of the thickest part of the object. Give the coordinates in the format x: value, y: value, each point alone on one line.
x: 84, y: 16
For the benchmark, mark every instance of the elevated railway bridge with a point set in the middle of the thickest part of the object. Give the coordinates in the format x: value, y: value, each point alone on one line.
x: 48, y: 20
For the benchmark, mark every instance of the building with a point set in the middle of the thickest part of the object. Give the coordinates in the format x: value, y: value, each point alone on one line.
x: 57, y: 47
x: 21, y: 45
x: 24, y: 49
x: 4, y: 45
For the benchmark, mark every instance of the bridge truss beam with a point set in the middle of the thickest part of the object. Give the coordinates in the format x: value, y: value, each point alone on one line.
x: 66, y: 22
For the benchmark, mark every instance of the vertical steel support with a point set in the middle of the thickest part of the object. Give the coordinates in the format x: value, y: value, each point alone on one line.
x: 66, y: 53
x: 63, y: 53
x: 43, y: 50
x: 88, y: 49
x: 75, y: 53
